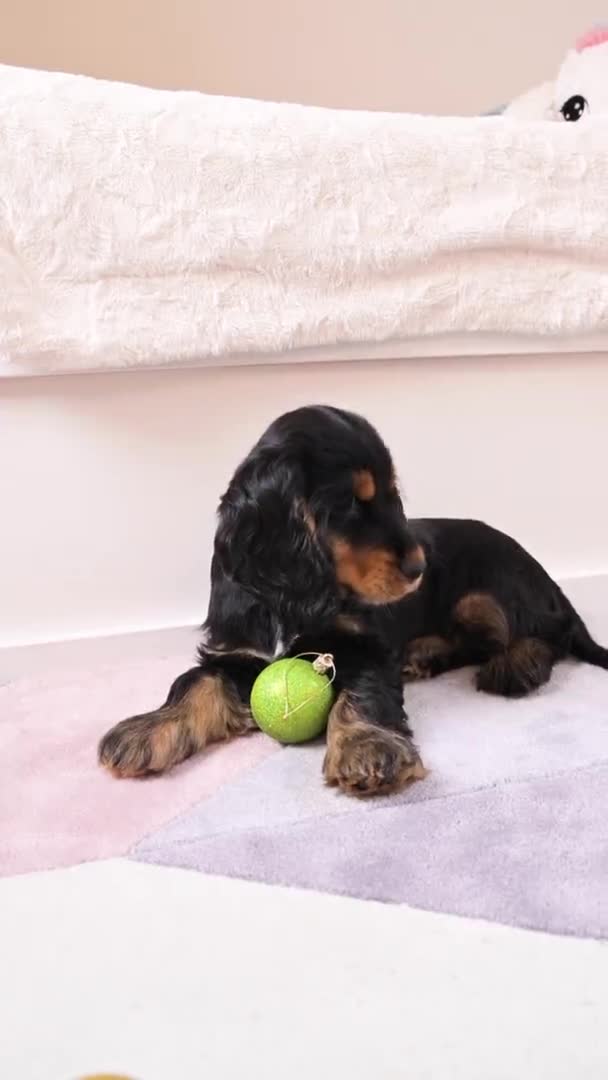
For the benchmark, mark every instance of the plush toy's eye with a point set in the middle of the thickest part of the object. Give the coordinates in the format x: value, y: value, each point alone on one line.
x: 574, y: 107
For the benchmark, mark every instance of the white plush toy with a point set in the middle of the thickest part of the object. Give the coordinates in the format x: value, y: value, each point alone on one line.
x: 581, y: 88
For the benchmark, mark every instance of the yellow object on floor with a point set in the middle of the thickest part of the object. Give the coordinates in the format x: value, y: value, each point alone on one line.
x: 106, y: 1076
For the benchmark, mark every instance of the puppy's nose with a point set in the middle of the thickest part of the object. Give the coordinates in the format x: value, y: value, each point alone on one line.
x: 414, y: 565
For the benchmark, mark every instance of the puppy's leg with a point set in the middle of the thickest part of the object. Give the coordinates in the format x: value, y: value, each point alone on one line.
x: 512, y: 666
x: 482, y: 623
x: 207, y: 704
x: 426, y: 657
x: 370, y: 750
x: 365, y: 757
x: 525, y: 666
x: 479, y: 629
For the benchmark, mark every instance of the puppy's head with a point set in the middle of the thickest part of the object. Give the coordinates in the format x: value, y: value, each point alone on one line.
x: 313, y: 514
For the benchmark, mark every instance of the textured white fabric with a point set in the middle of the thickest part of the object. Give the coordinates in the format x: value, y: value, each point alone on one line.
x: 149, y: 228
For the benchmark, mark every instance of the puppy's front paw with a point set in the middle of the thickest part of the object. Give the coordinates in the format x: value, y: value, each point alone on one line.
x: 142, y: 745
x: 371, y: 761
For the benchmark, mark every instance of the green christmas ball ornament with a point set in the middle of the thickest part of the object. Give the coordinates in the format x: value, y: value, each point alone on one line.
x: 291, y: 699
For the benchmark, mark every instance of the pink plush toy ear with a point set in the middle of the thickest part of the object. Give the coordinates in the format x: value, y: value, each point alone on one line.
x: 596, y: 36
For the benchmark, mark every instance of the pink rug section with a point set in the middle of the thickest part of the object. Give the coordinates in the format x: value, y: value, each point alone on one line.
x: 57, y: 807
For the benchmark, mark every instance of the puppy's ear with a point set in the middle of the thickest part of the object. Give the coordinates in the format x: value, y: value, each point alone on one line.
x: 267, y: 542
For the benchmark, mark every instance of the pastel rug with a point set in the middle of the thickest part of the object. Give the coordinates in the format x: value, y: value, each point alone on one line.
x: 57, y: 807
x: 511, y: 825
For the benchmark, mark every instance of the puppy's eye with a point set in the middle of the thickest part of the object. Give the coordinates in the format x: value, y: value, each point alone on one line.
x: 574, y: 107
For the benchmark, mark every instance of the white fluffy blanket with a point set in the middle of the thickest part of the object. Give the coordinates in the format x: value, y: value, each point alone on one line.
x: 151, y: 228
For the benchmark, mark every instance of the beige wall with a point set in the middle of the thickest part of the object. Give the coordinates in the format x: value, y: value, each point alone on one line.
x: 426, y: 55
x: 123, y: 472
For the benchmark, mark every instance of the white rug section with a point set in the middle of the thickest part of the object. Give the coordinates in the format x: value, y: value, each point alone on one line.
x: 164, y: 974
x: 152, y: 228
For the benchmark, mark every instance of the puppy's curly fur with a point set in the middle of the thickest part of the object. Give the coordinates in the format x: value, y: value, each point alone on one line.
x: 313, y: 552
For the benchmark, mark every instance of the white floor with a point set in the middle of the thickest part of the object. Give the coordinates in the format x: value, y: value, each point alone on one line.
x: 163, y: 974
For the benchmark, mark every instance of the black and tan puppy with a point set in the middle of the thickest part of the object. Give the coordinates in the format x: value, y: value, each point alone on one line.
x: 313, y: 552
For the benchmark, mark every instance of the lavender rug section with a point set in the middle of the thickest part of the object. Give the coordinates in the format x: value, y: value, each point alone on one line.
x: 511, y: 825
x: 533, y: 854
